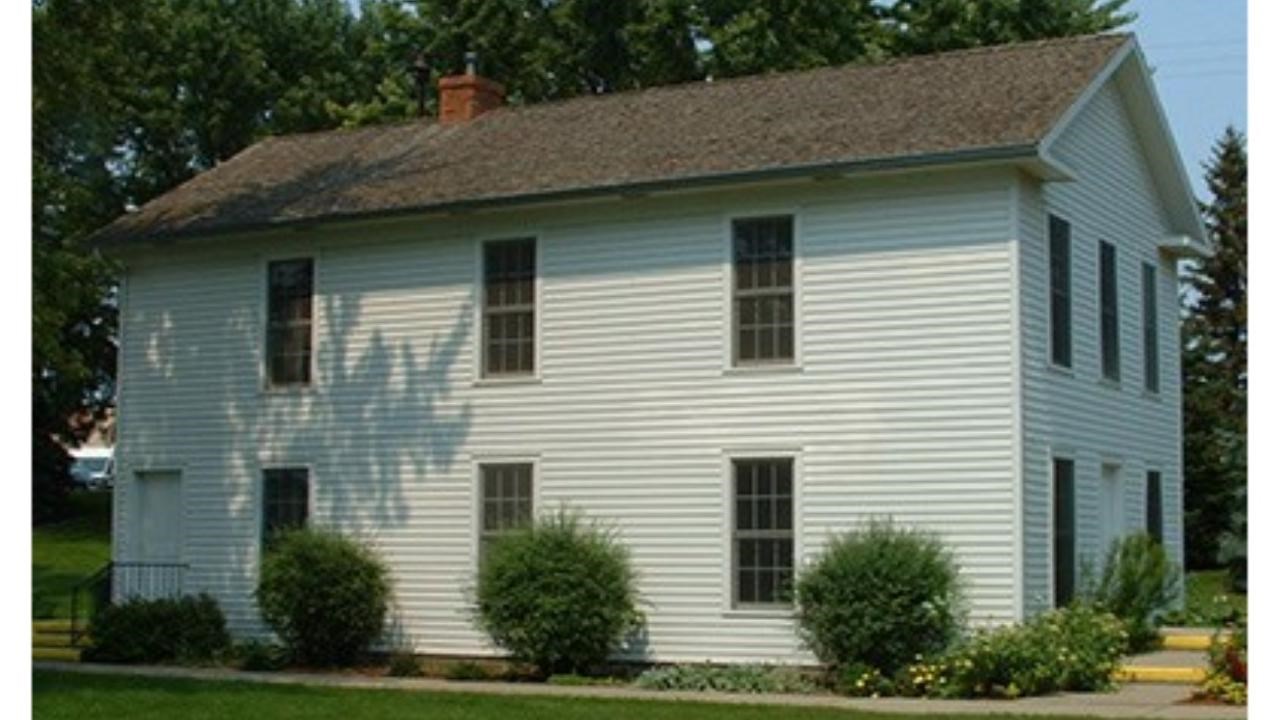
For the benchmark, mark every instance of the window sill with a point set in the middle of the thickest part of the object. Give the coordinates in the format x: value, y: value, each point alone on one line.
x: 287, y: 390
x: 761, y: 613
x: 1109, y: 383
x: 1152, y: 396
x: 1059, y: 370
x: 764, y: 369
x: 508, y: 381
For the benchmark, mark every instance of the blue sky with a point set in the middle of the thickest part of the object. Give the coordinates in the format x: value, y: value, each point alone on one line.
x: 1198, y: 50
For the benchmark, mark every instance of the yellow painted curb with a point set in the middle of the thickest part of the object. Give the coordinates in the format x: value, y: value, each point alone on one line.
x: 60, y: 654
x: 51, y: 640
x: 1186, y: 642
x: 1180, y: 675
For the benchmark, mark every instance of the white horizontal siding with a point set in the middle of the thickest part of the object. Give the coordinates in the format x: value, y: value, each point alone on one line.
x: 1077, y: 414
x: 903, y: 406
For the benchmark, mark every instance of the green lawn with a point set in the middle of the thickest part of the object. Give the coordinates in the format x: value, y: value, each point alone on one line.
x: 63, y: 553
x: 1209, y: 597
x: 84, y: 697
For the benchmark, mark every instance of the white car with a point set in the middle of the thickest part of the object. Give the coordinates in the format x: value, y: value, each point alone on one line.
x: 93, y: 468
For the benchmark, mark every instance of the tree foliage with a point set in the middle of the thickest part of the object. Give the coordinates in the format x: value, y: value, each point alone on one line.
x: 132, y: 97
x: 1215, y: 362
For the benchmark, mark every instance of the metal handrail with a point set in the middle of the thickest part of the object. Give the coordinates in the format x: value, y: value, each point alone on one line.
x: 93, y: 579
x: 99, y: 587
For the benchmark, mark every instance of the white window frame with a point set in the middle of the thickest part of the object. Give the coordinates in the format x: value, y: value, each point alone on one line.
x: 264, y: 319
x: 796, y: 363
x: 478, y: 461
x: 729, y: 608
x: 539, y: 238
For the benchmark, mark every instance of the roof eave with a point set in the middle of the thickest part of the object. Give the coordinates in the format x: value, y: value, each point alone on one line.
x: 1028, y: 156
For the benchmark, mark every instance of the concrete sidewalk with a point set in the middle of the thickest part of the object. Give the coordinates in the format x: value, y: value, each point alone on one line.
x: 1130, y: 701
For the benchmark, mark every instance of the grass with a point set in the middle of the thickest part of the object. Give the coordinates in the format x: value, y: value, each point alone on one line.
x: 85, y: 697
x: 1209, y: 597
x: 65, y: 552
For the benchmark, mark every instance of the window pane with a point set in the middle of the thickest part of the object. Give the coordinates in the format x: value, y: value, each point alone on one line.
x: 1109, y: 325
x: 762, y: 544
x: 763, y: 299
x: 1060, y: 289
x: 284, y: 498
x: 289, y: 310
x: 507, y: 501
x: 1155, y: 507
x: 508, y: 314
x: 1150, y: 349
x: 1064, y: 531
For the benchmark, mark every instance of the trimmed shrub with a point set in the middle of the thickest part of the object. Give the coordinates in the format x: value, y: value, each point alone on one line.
x: 258, y: 656
x: 880, y: 596
x: 726, y: 678
x: 186, y: 629
x: 465, y: 670
x: 325, y: 595
x: 560, y: 595
x: 404, y: 665
x: 1138, y: 582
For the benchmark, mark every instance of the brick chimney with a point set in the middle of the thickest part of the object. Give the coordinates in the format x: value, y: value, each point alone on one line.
x: 467, y: 97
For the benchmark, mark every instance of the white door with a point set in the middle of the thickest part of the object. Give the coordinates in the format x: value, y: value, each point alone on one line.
x: 1111, y: 496
x: 159, y: 521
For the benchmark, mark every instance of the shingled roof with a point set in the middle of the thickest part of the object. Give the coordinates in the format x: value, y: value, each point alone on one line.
x: 949, y: 106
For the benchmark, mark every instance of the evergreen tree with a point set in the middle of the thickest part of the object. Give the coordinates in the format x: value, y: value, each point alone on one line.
x: 1215, y: 361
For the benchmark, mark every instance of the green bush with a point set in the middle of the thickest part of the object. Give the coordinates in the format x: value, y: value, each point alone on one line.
x: 258, y: 656
x: 1138, y: 582
x: 726, y: 678
x: 325, y: 595
x: 186, y: 629
x: 465, y: 670
x: 879, y: 596
x: 559, y: 595
x: 404, y: 665
x: 861, y: 680
x: 1228, y: 678
x: 1077, y: 648
x: 574, y: 680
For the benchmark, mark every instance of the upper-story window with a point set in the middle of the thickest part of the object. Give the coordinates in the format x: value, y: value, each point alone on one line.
x: 1109, y: 312
x: 763, y: 290
x: 289, y: 312
x: 1150, y: 345
x: 1060, y: 290
x: 510, y: 269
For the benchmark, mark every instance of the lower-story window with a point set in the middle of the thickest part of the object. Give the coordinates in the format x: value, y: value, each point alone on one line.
x: 1064, y: 531
x: 1155, y: 507
x: 763, y: 532
x: 506, y: 500
x: 285, y: 500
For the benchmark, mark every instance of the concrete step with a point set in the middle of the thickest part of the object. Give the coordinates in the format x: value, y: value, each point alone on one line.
x: 59, y: 654
x: 1181, y: 638
x: 53, y: 640
x: 49, y: 626
x: 1165, y: 666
